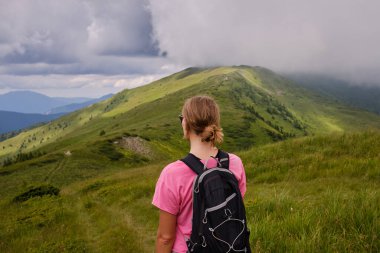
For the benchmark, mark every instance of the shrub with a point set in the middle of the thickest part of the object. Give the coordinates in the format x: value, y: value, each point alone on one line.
x: 37, y: 191
x: 109, y: 151
x: 20, y: 157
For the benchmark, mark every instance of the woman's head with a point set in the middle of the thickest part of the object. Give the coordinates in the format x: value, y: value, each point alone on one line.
x: 201, y: 117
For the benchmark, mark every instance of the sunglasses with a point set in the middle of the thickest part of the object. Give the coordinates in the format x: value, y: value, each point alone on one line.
x: 180, y: 118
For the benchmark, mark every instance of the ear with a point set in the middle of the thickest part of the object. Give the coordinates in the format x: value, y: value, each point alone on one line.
x: 186, y: 133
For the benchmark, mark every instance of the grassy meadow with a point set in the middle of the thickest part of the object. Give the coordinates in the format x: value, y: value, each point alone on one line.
x: 310, y: 194
x: 312, y: 165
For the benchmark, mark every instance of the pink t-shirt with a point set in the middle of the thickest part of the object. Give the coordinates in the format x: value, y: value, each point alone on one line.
x: 173, y: 194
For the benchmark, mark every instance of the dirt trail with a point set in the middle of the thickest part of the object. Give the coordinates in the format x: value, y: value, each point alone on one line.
x: 51, y: 173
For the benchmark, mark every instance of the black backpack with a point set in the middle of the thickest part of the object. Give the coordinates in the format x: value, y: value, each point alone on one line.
x: 219, y: 222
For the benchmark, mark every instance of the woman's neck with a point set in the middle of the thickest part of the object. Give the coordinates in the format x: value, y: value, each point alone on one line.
x: 202, y: 150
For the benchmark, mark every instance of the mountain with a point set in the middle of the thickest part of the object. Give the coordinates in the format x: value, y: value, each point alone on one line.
x: 76, y: 106
x: 363, y: 96
x: 258, y: 106
x: 33, y: 102
x: 13, y: 121
x: 84, y: 182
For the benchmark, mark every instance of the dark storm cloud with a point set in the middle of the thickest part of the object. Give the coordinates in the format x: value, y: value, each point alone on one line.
x: 121, y: 28
x: 75, y: 37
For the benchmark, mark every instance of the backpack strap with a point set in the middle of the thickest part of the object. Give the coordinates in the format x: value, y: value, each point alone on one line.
x: 224, y: 159
x: 198, y: 167
x: 194, y: 163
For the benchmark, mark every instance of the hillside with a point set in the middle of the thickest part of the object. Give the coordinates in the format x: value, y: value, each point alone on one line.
x: 310, y: 194
x: 364, y: 96
x: 262, y: 105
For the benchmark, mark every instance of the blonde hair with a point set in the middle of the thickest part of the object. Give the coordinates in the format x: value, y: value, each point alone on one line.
x: 202, y: 116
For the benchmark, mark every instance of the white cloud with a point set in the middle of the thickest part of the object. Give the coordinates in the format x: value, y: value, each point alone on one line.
x: 92, y: 85
x: 42, y: 31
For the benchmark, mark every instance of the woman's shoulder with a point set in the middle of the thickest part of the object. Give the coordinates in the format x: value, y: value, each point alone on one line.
x: 174, y: 167
x: 235, y: 162
x: 234, y: 157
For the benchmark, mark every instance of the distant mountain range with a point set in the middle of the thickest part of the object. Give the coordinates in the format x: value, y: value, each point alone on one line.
x: 21, y: 109
x: 77, y: 106
x: 33, y: 102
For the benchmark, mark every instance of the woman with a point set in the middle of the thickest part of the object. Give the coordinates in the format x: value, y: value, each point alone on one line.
x: 173, y: 194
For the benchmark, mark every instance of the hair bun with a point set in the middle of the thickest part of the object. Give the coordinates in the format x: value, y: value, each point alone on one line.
x: 212, y: 133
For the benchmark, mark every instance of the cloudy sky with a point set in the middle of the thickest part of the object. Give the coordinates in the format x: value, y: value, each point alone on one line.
x: 94, y: 47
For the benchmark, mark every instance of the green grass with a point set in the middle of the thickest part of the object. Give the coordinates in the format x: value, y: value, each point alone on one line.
x: 310, y: 194
x: 316, y: 194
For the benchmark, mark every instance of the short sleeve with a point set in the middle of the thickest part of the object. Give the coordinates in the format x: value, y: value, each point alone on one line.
x: 166, y: 196
x: 243, y: 180
x: 237, y: 167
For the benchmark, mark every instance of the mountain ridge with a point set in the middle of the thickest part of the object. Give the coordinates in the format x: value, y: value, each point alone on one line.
x: 255, y: 101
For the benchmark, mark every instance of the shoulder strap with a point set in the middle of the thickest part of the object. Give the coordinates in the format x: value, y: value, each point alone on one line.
x: 198, y: 167
x: 194, y: 163
x: 224, y: 159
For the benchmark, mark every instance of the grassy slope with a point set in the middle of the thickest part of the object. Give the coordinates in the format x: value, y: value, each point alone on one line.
x: 321, y: 113
x: 279, y: 106
x: 84, y: 120
x: 316, y: 194
x: 311, y: 194
x: 361, y: 96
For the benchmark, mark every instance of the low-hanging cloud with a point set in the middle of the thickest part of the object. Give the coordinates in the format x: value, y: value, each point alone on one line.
x: 339, y: 37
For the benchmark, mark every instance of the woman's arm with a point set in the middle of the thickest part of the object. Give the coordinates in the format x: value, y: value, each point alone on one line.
x: 166, y: 232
